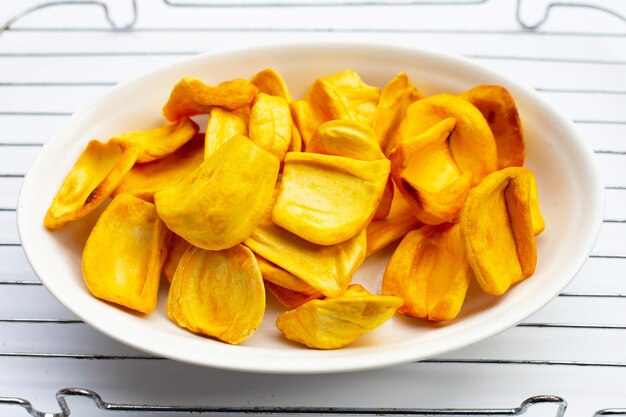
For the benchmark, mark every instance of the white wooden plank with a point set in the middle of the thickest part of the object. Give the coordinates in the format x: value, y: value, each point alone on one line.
x: 615, y: 204
x: 9, y: 191
x: 612, y: 169
x: 14, y: 266
x: 30, y: 301
x: 29, y: 129
x: 604, y: 137
x: 15, y: 160
x: 611, y: 240
x: 600, y: 276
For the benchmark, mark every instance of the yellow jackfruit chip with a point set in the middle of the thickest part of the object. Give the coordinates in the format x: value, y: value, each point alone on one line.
x: 218, y: 293
x: 97, y: 172
x: 124, y: 254
x: 222, y: 126
x: 430, y: 272
x: 328, y: 269
x: 497, y: 229
x: 346, y: 138
x: 427, y: 175
x: 277, y: 275
x: 289, y: 298
x: 328, y: 199
x: 177, y: 248
x: 499, y: 109
x: 162, y: 141
x: 270, y: 82
x: 471, y: 143
x: 222, y: 202
x: 535, y: 211
x: 336, y: 322
x: 394, y: 100
x: 144, y: 180
x: 270, y: 124
x: 191, y: 96
x: 359, y: 99
x: 384, y: 206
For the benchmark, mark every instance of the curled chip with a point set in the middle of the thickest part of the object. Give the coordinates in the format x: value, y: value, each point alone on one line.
x: 289, y: 298
x: 191, y: 96
x: 328, y: 269
x: 221, y: 203
x: 277, y: 275
x: 124, y: 254
x: 222, y: 126
x: 346, y: 138
x: 218, y: 293
x: 270, y: 124
x: 160, y: 142
x: 144, y: 180
x: 328, y: 199
x: 336, y: 322
x: 535, y: 210
x: 394, y: 100
x: 384, y: 206
x: 270, y: 82
x: 499, y: 109
x: 177, y: 248
x: 427, y: 175
x: 497, y: 228
x: 430, y: 272
x: 98, y: 171
x: 471, y: 143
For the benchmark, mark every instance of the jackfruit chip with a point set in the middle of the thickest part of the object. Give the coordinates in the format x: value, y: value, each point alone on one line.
x: 144, y: 180
x: 427, y: 175
x: 499, y: 109
x: 328, y: 269
x: 535, y: 210
x: 430, y: 272
x: 497, y: 229
x: 218, y: 293
x: 124, y: 254
x: 289, y: 298
x: 97, y: 172
x: 270, y: 124
x: 384, y: 206
x: 360, y: 99
x: 277, y: 275
x: 162, y: 141
x: 270, y: 82
x: 328, y: 199
x: 222, y: 202
x: 394, y: 100
x: 191, y: 96
x: 177, y: 248
x: 336, y: 322
x: 222, y: 126
x: 472, y: 144
x: 346, y: 138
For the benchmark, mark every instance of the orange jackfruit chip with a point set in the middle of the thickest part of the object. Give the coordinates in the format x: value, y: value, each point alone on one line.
x: 270, y: 124
x: 270, y: 82
x: 430, y: 272
x: 191, y: 96
x: 499, y: 109
x: 394, y: 100
x: 336, y: 322
x: 124, y: 254
x: 177, y: 249
x: 162, y: 141
x: 97, y: 172
x: 221, y: 203
x: 144, y: 180
x: 277, y: 275
x: 497, y: 229
x: 384, y: 206
x: 346, y: 138
x: 471, y: 143
x: 427, y: 175
x: 218, y: 293
x: 289, y: 298
x: 222, y: 126
x: 328, y: 199
x: 535, y: 210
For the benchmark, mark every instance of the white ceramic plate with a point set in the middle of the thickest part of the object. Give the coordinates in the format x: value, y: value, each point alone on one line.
x: 569, y: 187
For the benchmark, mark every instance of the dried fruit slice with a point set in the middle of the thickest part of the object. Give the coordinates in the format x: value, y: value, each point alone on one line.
x: 144, y: 180
x: 346, y: 138
x: 218, y: 293
x: 289, y: 298
x: 277, y: 275
x: 384, y: 206
x: 427, y: 175
x: 328, y: 199
x: 336, y: 322
x: 360, y: 99
x: 535, y: 210
x: 430, y: 272
x: 472, y: 144
x: 177, y: 249
x: 270, y: 124
x: 270, y: 82
x: 497, y: 229
x: 499, y: 109
x: 162, y: 141
x: 222, y: 202
x: 124, y: 254
x: 191, y: 96
x: 222, y: 126
x: 97, y: 172
x: 394, y: 100
x: 328, y: 269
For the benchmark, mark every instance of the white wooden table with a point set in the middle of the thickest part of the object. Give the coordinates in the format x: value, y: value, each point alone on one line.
x: 56, y: 60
